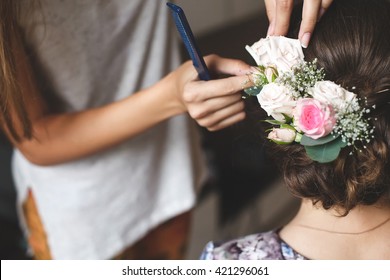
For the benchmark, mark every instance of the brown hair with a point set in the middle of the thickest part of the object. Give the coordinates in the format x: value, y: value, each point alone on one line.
x: 11, y: 99
x: 352, y: 44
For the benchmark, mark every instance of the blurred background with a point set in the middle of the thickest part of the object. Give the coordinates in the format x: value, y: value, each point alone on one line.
x: 245, y: 194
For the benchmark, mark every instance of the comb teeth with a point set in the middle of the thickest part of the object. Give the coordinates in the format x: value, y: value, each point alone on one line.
x: 184, y: 34
x: 189, y: 41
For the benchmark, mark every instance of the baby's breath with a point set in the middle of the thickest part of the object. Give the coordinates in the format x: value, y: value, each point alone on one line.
x: 353, y: 125
x: 301, y: 78
x: 259, y: 78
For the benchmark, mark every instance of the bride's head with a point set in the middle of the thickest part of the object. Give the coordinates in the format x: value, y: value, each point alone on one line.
x: 352, y: 43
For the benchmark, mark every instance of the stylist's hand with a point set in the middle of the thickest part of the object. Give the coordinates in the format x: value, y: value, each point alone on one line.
x: 217, y: 103
x: 279, y: 12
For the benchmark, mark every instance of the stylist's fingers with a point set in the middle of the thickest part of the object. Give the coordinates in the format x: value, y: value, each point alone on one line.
x: 228, y: 121
x: 311, y: 14
x: 216, y: 104
x: 224, y: 117
x: 270, y: 7
x: 279, y: 13
x: 199, y: 91
x: 201, y: 110
x: 221, y: 65
x: 325, y: 4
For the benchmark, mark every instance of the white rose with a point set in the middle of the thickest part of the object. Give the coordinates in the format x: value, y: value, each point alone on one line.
x: 282, y: 135
x: 276, y: 100
x: 278, y: 51
x: 330, y: 93
x: 259, y: 52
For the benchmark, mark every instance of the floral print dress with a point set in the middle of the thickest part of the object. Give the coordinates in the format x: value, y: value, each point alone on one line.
x: 260, y: 246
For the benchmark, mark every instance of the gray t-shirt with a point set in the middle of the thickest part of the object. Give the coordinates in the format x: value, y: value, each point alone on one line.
x: 88, y: 53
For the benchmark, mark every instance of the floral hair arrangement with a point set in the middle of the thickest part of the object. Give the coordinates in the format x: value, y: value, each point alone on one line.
x: 320, y: 115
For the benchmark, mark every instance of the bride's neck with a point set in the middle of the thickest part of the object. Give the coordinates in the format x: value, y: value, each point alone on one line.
x: 325, y: 234
x: 361, y: 219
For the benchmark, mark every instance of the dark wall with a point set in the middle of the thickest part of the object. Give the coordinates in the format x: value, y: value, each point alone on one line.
x: 237, y: 153
x: 12, y: 244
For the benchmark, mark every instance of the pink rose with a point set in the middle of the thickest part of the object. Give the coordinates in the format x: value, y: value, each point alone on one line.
x: 313, y: 118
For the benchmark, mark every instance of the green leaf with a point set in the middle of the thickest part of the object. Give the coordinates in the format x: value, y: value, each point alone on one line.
x: 298, y: 137
x: 287, y: 118
x: 327, y: 152
x: 273, y: 122
x: 273, y: 78
x: 280, y: 142
x: 284, y: 125
x: 307, y: 141
x: 253, y: 91
x: 261, y: 68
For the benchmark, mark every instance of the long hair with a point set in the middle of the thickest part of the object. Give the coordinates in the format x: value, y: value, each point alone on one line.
x: 352, y: 44
x: 12, y: 105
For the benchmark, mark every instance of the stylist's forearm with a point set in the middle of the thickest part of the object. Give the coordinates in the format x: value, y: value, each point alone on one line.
x: 65, y: 137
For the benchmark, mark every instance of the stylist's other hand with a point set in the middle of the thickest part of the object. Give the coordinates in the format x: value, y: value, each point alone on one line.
x: 279, y: 13
x: 217, y: 103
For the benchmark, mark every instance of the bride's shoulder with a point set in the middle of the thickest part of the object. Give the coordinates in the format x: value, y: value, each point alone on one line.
x: 259, y: 246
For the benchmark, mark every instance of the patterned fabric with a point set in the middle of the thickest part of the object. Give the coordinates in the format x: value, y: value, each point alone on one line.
x: 260, y: 246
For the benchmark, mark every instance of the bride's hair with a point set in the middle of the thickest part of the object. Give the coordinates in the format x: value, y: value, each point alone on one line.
x: 352, y: 44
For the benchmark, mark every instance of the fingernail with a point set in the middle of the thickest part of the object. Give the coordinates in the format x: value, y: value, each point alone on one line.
x: 270, y: 30
x: 305, y: 39
x: 254, y: 70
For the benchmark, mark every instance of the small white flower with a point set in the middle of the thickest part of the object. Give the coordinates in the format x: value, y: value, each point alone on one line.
x: 276, y: 100
x: 271, y: 74
x: 282, y: 135
x: 278, y: 51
